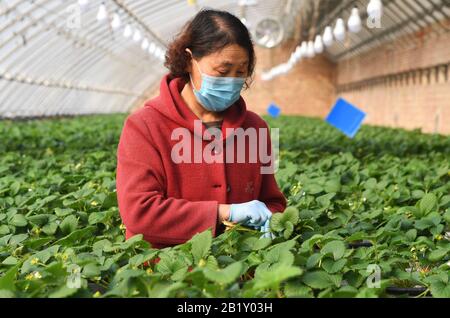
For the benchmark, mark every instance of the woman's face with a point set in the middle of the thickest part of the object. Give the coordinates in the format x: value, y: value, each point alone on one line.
x: 231, y: 61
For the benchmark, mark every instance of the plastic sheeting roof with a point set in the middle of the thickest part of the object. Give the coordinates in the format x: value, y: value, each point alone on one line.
x: 57, y: 59
x: 48, y: 66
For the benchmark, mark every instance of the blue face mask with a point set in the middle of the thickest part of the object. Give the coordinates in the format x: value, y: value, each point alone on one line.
x: 217, y: 94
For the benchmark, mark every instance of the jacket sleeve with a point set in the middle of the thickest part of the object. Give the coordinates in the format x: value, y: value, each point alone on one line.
x: 143, y: 205
x: 270, y: 193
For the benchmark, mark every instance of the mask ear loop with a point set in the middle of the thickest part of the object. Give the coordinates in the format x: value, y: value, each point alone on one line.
x: 192, y: 83
x: 198, y: 67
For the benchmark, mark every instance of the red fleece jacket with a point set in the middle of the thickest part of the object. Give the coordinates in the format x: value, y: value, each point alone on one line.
x: 168, y: 202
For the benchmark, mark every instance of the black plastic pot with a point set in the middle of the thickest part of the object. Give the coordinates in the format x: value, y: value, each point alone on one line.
x: 358, y: 244
x: 410, y: 291
x: 93, y: 287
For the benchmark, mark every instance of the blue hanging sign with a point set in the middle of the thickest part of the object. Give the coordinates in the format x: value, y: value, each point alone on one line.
x: 346, y: 117
x: 273, y: 110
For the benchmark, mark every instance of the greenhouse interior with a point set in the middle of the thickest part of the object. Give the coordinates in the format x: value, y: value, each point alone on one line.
x: 120, y: 174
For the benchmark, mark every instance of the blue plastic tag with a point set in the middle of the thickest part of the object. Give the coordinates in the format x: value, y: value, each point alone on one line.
x: 346, y: 117
x: 273, y: 110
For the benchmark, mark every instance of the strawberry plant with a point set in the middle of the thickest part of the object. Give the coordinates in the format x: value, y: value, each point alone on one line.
x: 368, y: 217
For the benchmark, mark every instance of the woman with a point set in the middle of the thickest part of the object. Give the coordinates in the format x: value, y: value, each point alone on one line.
x: 162, y: 193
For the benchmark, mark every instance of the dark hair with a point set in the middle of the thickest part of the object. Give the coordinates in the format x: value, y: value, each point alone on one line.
x: 208, y: 32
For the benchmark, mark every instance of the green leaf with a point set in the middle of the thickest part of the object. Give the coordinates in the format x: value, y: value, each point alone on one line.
x: 43, y: 256
x: 166, y: 290
x: 40, y: 219
x: 319, y: 280
x: 17, y: 239
x: 333, y: 267
x: 63, y: 212
x: 285, y: 221
x: 10, y: 260
x: 289, y: 230
x: 212, y: 263
x: 325, y: 200
x: 313, y: 260
x: 276, y: 222
x: 63, y: 292
x: 69, y: 224
x: 91, y: 270
x: 313, y: 188
x: 7, y: 294
x: 76, y: 236
x: 371, y: 184
x: 291, y: 215
x: 358, y: 236
x: 19, y: 220
x: 333, y: 186
x: 433, y: 219
x: 272, y: 278
x: 297, y: 290
x: 14, y: 188
x: 224, y: 276
x: 201, y: 245
x: 83, y: 193
x: 417, y: 194
x: 442, y: 277
x: 440, y: 290
x: 7, y: 281
x: 170, y: 264
x: 280, y: 253
x: 427, y: 203
x: 436, y: 230
x: 4, y: 229
x: 336, y: 248
x: 261, y: 243
x: 36, y: 244
x: 135, y: 260
x: 411, y: 235
x: 4, y: 239
x: 110, y: 201
x: 102, y: 245
x: 447, y: 216
x: 345, y: 292
x: 96, y: 217
x: 50, y: 228
x: 132, y: 241
x: 438, y: 254
x: 370, y: 195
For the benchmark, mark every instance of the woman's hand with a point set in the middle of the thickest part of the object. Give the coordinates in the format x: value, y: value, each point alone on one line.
x: 224, y: 212
x: 254, y: 213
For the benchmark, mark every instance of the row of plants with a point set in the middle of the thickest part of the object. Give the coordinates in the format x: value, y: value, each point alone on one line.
x: 368, y: 217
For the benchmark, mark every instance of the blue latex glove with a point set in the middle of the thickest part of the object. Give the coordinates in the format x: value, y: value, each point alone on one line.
x: 265, y: 229
x: 254, y: 213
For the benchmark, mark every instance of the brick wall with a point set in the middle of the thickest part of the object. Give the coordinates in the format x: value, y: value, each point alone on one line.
x: 409, y: 102
x: 416, y: 100
x: 409, y: 106
x: 309, y: 89
x: 421, y: 50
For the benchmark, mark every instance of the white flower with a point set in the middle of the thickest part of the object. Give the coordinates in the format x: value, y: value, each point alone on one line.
x: 447, y: 236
